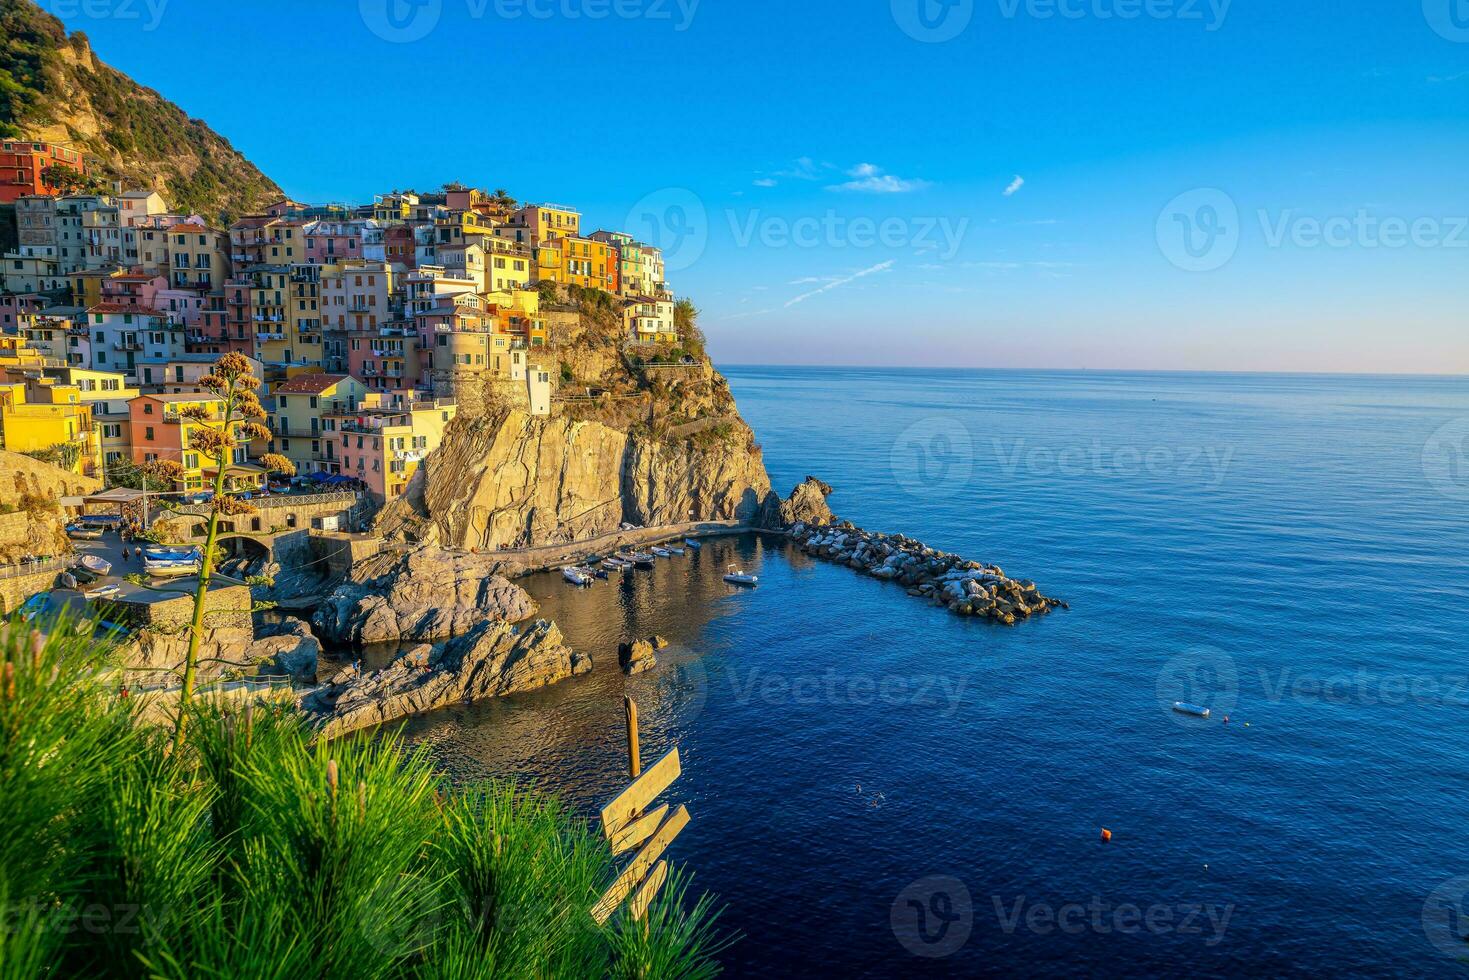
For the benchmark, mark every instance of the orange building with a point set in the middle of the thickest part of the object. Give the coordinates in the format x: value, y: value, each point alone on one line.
x: 23, y: 165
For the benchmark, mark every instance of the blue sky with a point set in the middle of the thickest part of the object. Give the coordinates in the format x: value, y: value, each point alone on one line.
x: 1154, y: 184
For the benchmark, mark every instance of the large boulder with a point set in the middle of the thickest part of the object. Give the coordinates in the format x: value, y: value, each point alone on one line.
x: 492, y: 660
x: 425, y: 594
x: 287, y: 648
x: 807, y: 504
x: 636, y: 657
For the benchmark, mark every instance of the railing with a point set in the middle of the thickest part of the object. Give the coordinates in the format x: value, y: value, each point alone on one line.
x: 37, y: 567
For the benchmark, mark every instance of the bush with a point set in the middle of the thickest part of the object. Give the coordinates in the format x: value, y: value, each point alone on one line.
x: 259, y: 852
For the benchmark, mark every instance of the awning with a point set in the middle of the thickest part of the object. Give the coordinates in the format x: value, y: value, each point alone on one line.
x: 117, y: 495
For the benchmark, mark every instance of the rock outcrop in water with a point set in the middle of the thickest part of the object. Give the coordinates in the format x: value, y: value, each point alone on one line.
x: 492, y: 660
x: 964, y: 587
x: 807, y: 504
x: 423, y: 594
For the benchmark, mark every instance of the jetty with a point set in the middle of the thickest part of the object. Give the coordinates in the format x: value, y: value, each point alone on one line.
x: 963, y: 586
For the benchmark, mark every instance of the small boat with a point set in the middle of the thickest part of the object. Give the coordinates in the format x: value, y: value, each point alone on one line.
x: 1184, y: 708
x: 691, y: 543
x: 675, y: 550
x: 599, y: 572
x: 68, y: 580
x: 83, y: 532
x: 171, y: 562
x: 738, y: 576
x: 103, y: 592
x: 576, y: 576
x: 661, y: 552
x: 97, y: 564
x: 615, y: 565
x: 637, y: 559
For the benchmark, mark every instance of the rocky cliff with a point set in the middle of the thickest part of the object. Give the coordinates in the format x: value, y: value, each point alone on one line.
x: 30, y: 521
x: 53, y: 88
x: 523, y: 481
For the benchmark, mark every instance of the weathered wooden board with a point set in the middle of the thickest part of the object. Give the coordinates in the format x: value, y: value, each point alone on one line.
x: 639, y: 830
x: 632, y: 801
x: 637, y: 870
x: 637, y: 906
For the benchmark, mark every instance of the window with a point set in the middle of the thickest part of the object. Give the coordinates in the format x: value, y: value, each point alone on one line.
x: 148, y: 433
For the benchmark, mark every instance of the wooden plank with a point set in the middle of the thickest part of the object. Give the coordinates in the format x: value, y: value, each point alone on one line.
x: 634, y: 755
x: 639, y: 830
x: 637, y: 906
x: 637, y: 870
x: 635, y: 799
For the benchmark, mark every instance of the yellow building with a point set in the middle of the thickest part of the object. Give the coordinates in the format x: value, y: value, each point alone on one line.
x: 300, y: 404
x: 583, y: 262
x: 39, y: 416
x: 108, y: 394
x: 385, y: 440
x: 198, y: 257
x: 304, y: 314
x: 543, y: 222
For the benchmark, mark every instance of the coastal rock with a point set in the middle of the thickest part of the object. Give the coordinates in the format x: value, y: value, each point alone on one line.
x: 424, y: 594
x: 636, y: 657
x: 522, y: 482
x: 807, y: 504
x: 287, y: 648
x: 491, y: 660
x: 963, y: 586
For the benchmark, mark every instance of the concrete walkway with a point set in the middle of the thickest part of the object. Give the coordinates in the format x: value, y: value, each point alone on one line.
x: 556, y: 555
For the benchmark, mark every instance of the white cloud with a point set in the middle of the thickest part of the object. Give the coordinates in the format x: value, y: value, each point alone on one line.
x: 804, y: 169
x: 1441, y: 79
x: 1015, y: 185
x: 766, y: 182
x: 868, y: 178
x: 837, y: 283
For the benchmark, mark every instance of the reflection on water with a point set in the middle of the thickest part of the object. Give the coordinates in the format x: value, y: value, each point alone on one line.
x: 569, y: 737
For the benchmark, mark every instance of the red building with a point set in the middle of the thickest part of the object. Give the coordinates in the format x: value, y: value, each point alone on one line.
x: 23, y: 164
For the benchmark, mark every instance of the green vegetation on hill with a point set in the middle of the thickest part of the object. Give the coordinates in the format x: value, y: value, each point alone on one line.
x: 53, y: 87
x: 256, y: 852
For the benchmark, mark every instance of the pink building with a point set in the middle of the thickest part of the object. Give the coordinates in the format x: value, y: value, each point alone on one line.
x: 384, y: 358
x: 133, y: 289
x: 333, y: 241
x: 15, y: 305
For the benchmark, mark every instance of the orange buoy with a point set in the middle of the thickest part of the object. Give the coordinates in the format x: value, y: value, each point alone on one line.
x: 1106, y: 834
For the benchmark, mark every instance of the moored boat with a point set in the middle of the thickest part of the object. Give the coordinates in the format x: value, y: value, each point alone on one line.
x: 660, y: 552
x: 691, y: 543
x: 83, y: 532
x: 1184, y: 708
x: 738, y: 576
x: 576, y: 576
x: 164, y: 562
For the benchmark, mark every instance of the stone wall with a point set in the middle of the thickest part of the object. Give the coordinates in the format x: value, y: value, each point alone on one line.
x: 16, y: 589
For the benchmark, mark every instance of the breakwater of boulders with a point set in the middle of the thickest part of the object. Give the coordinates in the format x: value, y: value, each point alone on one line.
x: 963, y: 586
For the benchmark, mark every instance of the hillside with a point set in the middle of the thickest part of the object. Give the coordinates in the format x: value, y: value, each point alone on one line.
x: 53, y: 88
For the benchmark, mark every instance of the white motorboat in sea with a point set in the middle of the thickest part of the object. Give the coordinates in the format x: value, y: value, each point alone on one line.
x: 615, y: 564
x: 738, y: 576
x: 674, y: 550
x: 577, y: 576
x: 660, y: 552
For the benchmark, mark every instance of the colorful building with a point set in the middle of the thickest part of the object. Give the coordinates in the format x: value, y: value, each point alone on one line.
x: 198, y: 257
x: 23, y: 167
x: 159, y: 430
x: 300, y: 404
x: 383, y: 442
x: 37, y: 415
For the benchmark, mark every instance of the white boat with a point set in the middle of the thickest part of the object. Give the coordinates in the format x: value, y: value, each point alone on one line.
x: 691, y: 543
x: 577, y: 576
x: 615, y: 564
x: 1184, y: 708
x: 675, y: 550
x: 83, y: 532
x: 738, y: 576
x: 637, y: 559
x: 660, y: 552
x: 96, y: 564
x: 171, y: 562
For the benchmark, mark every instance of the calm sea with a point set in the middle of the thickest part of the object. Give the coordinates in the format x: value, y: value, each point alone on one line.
x: 879, y: 788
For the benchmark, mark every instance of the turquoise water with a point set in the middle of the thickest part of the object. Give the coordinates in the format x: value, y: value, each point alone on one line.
x: 879, y: 788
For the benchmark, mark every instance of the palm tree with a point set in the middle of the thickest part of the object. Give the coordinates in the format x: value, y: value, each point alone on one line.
x: 216, y: 438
